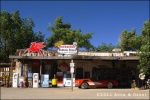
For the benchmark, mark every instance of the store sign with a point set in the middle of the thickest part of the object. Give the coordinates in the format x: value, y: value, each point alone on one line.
x: 44, y: 53
x: 67, y: 49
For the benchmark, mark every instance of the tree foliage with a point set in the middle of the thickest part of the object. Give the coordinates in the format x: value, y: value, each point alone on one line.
x: 38, y: 37
x: 130, y: 41
x: 15, y: 33
x: 138, y: 42
x: 144, y: 52
x: 63, y: 31
x: 105, y: 48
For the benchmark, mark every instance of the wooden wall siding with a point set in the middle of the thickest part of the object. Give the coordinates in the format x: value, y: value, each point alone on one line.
x: 125, y: 67
x: 111, y: 73
x: 88, y: 65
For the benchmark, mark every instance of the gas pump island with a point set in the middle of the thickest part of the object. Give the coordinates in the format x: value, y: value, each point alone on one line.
x: 32, y: 79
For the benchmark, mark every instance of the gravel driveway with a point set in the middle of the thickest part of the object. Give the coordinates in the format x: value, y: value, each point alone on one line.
x: 67, y: 93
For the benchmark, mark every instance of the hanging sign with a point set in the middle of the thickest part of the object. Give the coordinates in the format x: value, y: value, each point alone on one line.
x: 67, y: 49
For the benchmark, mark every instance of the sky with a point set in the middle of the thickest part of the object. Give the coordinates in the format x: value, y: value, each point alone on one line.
x: 106, y: 19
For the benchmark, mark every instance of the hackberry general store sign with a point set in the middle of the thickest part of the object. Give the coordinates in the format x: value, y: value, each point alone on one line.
x: 36, y: 49
x: 67, y: 49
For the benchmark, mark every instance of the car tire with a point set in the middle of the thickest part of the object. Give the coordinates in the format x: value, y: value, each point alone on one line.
x: 110, y: 85
x: 84, y: 85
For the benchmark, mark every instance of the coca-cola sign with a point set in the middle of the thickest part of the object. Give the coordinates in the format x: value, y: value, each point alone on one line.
x: 67, y: 49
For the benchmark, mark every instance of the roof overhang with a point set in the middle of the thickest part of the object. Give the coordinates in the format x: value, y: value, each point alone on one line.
x: 121, y: 58
x: 5, y: 64
x: 38, y: 57
x: 76, y: 57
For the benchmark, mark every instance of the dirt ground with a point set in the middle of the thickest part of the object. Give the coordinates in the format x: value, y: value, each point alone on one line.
x: 67, y: 93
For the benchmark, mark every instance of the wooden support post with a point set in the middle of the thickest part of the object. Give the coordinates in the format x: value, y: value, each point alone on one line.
x: 40, y: 72
x: 5, y: 76
x: 10, y: 70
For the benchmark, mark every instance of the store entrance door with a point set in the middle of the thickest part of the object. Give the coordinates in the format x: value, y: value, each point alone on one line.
x: 36, y: 67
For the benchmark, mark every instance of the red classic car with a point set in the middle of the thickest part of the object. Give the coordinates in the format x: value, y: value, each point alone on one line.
x: 93, y: 83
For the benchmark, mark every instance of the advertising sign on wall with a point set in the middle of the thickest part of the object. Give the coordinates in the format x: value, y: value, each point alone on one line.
x: 67, y: 80
x: 67, y: 49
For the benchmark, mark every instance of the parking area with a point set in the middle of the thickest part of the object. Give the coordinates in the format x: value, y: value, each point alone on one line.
x: 67, y: 93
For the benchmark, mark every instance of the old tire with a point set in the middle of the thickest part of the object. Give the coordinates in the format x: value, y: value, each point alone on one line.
x: 110, y: 85
x: 84, y: 85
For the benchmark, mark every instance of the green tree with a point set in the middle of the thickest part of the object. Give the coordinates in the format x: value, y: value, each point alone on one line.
x: 15, y: 33
x: 130, y: 40
x: 38, y: 37
x: 144, y: 53
x: 105, y: 48
x: 63, y: 31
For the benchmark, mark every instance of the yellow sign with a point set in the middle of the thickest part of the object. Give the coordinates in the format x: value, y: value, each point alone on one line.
x: 59, y: 43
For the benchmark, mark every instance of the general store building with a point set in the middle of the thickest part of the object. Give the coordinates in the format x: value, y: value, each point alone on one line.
x: 118, y: 65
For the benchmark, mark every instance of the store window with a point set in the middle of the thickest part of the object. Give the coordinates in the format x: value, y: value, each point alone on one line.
x: 86, y: 74
x: 79, y: 73
x: 36, y: 67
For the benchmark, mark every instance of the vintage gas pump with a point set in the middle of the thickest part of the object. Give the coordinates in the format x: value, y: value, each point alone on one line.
x: 35, y: 80
x: 45, y: 80
x: 15, y: 80
x: 30, y: 80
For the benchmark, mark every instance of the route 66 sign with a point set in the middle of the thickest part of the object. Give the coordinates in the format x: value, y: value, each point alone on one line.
x: 142, y: 76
